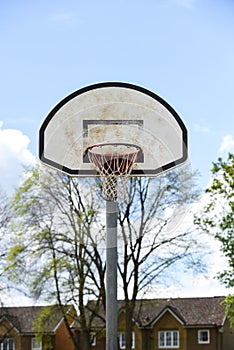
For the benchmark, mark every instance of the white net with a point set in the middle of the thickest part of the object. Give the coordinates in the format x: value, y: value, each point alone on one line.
x: 114, y: 163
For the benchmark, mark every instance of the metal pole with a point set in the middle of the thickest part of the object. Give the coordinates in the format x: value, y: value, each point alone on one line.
x: 111, y: 276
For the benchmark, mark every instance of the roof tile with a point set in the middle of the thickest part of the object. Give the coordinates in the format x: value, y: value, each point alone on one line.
x: 22, y: 318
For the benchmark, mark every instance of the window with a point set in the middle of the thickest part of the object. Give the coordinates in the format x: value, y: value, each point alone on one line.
x: 93, y: 339
x: 168, y: 339
x: 204, y: 336
x: 7, y: 344
x: 36, y: 345
x: 122, y: 340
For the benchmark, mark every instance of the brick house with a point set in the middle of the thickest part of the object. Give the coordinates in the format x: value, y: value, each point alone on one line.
x: 17, y: 329
x: 159, y: 324
x: 182, y: 323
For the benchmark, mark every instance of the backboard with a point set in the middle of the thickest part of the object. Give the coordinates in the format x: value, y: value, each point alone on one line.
x: 112, y: 112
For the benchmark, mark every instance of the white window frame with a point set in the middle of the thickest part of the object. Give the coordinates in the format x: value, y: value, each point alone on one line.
x: 165, y: 345
x: 93, y: 338
x: 35, y: 345
x: 200, y: 341
x: 7, y: 340
x: 122, y: 340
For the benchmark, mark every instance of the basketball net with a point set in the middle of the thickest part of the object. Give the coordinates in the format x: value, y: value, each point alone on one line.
x: 114, y: 162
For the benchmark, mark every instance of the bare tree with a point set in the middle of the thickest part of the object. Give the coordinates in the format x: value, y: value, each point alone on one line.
x: 5, y: 216
x: 153, y: 240
x: 58, y: 251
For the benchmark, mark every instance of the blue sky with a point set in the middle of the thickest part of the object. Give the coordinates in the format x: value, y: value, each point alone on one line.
x: 183, y: 50
x: 180, y: 49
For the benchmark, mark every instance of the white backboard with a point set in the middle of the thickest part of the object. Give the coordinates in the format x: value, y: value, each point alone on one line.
x: 112, y: 112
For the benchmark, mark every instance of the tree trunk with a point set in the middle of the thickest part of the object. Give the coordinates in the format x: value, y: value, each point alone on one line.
x: 85, y: 340
x: 129, y: 325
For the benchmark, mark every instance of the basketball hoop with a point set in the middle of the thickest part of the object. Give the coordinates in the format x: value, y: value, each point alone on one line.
x: 114, y: 162
x: 118, y: 112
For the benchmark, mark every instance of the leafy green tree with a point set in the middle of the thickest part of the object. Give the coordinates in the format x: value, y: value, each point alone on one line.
x: 54, y: 253
x: 218, y: 218
x: 59, y: 244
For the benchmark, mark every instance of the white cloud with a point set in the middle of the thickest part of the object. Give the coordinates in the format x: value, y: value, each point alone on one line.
x: 205, y: 283
x: 189, y: 284
x: 14, y: 154
x: 227, y: 144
